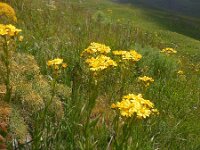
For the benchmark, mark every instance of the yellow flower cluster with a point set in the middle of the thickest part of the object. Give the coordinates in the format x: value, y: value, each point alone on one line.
x: 128, y: 55
x: 55, y: 63
x: 97, y: 60
x: 96, y: 48
x: 132, y: 104
x: 146, y: 80
x: 180, y: 72
x: 101, y: 62
x: 9, y: 30
x: 168, y: 50
x: 8, y: 11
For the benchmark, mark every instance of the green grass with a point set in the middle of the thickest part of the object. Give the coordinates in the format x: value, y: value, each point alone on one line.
x: 88, y: 121
x: 186, y: 7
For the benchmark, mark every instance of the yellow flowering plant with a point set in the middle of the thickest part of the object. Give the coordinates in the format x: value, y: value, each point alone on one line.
x: 7, y: 12
x: 100, y: 63
x: 180, y: 72
x: 131, y: 55
x: 7, y: 34
x: 133, y: 111
x: 56, y: 64
x: 97, y: 60
x: 9, y: 30
x: 96, y: 48
x: 135, y: 105
x: 168, y: 50
x: 146, y: 80
x: 125, y: 60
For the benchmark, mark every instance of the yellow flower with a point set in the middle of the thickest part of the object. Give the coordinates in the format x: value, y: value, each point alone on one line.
x: 56, y: 61
x: 155, y: 111
x: 96, y: 48
x: 20, y: 38
x: 143, y: 113
x: 147, y: 103
x: 168, y: 50
x: 128, y: 55
x: 2, y: 30
x: 120, y: 52
x: 56, y: 64
x: 64, y: 65
x: 146, y: 79
x: 124, y: 107
x: 9, y: 30
x: 8, y: 11
x: 99, y: 63
x: 113, y: 106
x: 180, y: 72
x: 12, y: 30
x: 132, y: 104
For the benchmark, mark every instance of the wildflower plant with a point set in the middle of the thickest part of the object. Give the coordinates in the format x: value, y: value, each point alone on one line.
x: 95, y: 49
x: 56, y: 66
x: 100, y: 63
x: 125, y: 60
x: 132, y: 110
x: 24, y: 92
x: 131, y: 55
x: 135, y: 106
x: 97, y: 59
x: 145, y: 80
x: 7, y: 12
x: 180, y: 72
x: 168, y: 50
x: 8, y: 35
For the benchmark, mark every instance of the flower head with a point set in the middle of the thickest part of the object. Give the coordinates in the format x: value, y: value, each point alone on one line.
x: 99, y: 63
x: 64, y: 65
x: 146, y: 80
x: 8, y: 11
x: 128, y: 55
x: 20, y: 38
x: 135, y: 105
x: 180, y: 72
x: 56, y: 61
x: 56, y: 64
x: 96, y: 48
x: 168, y: 50
x: 9, y: 30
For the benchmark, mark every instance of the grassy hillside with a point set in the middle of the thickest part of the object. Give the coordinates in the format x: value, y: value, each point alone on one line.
x: 68, y: 106
x: 185, y: 7
x: 179, y: 31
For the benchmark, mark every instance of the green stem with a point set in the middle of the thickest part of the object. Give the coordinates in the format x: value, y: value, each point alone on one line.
x: 6, y: 61
x: 122, y: 71
x: 44, y: 113
x: 93, y: 94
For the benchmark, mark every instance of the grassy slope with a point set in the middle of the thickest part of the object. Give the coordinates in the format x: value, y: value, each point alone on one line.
x: 65, y: 32
x: 185, y: 7
x: 178, y: 31
x: 174, y: 31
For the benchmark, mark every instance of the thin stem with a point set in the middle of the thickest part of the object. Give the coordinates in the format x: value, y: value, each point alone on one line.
x: 6, y: 61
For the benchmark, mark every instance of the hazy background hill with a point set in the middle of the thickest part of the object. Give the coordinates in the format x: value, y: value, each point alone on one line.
x: 184, y: 7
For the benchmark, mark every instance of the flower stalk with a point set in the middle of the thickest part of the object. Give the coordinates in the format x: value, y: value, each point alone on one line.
x: 6, y: 61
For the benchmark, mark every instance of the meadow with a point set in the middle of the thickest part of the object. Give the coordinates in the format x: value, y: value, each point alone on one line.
x: 97, y: 74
